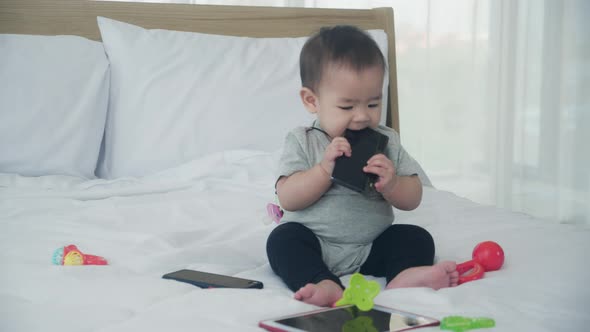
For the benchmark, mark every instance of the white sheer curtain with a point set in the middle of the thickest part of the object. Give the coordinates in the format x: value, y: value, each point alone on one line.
x: 494, y: 97
x: 495, y: 101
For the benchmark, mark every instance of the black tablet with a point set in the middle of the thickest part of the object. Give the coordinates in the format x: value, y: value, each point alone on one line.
x: 349, y: 318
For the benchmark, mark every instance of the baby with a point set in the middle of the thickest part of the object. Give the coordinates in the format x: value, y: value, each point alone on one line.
x: 329, y: 230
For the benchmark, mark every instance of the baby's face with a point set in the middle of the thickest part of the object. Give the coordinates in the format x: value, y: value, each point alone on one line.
x: 349, y: 99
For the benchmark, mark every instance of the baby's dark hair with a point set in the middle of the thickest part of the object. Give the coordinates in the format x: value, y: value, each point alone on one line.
x: 343, y: 45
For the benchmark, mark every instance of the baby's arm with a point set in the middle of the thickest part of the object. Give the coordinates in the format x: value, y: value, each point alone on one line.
x: 302, y: 189
x: 403, y: 192
x: 406, y: 194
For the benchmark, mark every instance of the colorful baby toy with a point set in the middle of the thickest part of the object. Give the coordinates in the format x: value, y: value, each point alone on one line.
x: 361, y: 293
x: 71, y: 255
x: 487, y: 256
x: 274, y: 212
x: 460, y: 324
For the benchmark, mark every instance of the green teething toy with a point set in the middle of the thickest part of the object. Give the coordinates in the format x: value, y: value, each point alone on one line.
x: 460, y: 323
x: 360, y: 292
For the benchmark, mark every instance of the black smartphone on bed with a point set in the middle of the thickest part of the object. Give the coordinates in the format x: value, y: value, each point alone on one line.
x: 211, y: 280
x: 348, y: 171
x: 349, y: 318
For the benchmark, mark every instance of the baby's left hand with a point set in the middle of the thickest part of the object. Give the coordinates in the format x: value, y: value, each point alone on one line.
x: 381, y: 166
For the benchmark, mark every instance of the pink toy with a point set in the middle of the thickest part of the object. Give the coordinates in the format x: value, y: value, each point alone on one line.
x: 71, y: 255
x: 274, y: 212
x: 487, y: 256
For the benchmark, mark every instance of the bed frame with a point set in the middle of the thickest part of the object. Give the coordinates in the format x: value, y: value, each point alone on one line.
x: 77, y: 17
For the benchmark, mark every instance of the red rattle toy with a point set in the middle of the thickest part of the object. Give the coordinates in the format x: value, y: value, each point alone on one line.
x: 71, y: 255
x: 487, y: 256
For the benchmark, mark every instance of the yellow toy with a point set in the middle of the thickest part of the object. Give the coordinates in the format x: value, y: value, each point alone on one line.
x: 361, y: 293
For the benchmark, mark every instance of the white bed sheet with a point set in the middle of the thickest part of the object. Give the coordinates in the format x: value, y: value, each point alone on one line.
x: 209, y: 215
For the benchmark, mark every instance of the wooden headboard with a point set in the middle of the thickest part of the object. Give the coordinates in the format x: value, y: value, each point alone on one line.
x: 77, y: 17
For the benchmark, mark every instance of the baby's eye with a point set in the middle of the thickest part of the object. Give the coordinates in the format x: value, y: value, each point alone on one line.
x: 346, y: 108
x: 373, y: 105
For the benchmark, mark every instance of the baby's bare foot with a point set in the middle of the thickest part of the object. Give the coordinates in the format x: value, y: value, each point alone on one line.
x: 325, y: 293
x: 440, y: 275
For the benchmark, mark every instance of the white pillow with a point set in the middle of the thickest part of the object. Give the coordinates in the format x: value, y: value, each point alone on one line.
x: 176, y: 95
x: 53, y: 104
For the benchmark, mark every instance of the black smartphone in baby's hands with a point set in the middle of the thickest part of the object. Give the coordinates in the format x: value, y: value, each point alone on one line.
x: 211, y: 280
x: 364, y: 144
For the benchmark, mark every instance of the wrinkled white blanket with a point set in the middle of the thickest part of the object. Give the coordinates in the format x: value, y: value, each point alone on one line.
x: 210, y: 215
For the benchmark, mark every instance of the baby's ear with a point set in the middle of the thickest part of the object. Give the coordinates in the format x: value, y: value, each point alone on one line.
x: 309, y: 99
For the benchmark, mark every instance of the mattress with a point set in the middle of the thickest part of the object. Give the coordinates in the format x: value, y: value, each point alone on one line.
x: 210, y: 214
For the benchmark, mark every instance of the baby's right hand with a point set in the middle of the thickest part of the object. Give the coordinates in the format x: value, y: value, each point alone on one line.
x: 337, y: 148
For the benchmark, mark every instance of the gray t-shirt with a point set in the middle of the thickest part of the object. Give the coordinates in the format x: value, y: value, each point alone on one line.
x: 346, y: 222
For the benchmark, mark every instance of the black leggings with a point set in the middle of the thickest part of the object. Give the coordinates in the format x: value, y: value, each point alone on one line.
x: 295, y: 254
